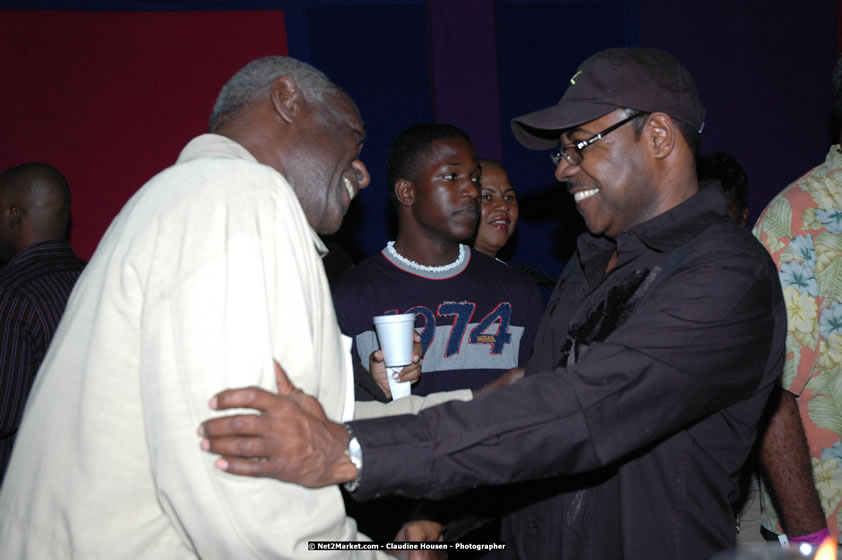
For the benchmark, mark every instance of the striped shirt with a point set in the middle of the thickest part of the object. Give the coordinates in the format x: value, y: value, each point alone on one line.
x: 34, y: 287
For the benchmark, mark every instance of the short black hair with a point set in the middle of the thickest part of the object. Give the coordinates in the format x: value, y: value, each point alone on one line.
x: 410, y: 148
x: 42, y: 191
x: 730, y: 173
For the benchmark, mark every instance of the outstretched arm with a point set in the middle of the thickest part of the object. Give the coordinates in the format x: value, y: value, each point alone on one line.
x: 513, y: 433
x: 292, y: 426
x: 785, y: 460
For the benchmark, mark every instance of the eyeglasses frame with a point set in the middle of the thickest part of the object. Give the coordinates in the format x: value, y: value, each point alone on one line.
x: 577, y: 147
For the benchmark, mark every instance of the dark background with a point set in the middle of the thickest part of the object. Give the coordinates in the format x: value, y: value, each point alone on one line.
x: 109, y: 91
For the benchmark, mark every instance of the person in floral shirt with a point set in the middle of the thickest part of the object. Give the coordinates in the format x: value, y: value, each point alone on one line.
x: 802, y: 229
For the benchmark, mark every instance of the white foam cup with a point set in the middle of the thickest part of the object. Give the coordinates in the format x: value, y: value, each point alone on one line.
x: 395, y: 334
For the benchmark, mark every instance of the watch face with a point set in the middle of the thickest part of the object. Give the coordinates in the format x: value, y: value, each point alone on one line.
x: 355, y: 452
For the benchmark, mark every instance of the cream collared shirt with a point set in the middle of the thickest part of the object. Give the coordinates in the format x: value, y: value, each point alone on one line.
x: 207, y: 273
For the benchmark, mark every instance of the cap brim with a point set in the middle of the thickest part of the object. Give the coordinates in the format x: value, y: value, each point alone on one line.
x: 541, y: 129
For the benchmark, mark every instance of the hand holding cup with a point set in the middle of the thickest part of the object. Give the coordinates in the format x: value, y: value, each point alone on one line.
x: 396, y: 336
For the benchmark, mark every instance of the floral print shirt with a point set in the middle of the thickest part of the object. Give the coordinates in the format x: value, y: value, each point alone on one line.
x: 802, y: 229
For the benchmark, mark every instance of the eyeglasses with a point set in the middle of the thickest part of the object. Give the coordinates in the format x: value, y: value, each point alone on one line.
x: 573, y: 152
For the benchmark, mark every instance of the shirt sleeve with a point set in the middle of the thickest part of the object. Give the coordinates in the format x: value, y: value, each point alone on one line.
x: 777, y: 230
x: 348, y: 303
x: 19, y: 358
x: 412, y: 404
x: 694, y: 350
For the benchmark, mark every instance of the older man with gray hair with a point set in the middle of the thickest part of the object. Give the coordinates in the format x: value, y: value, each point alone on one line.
x: 209, y: 271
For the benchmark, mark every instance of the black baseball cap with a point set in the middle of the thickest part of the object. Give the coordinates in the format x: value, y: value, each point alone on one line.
x: 645, y: 79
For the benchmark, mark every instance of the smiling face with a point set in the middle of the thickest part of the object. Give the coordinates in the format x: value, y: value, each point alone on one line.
x: 498, y: 208
x: 446, y: 191
x: 323, y: 164
x: 612, y: 184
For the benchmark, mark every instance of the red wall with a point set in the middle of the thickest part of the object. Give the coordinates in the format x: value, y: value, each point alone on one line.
x: 109, y: 98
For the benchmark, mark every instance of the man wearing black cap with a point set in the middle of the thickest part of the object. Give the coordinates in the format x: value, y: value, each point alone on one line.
x: 653, y: 364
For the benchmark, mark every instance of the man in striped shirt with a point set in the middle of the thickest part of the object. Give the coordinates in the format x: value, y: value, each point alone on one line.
x: 35, y: 282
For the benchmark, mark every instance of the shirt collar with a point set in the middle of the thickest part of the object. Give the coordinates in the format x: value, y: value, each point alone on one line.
x: 216, y: 145
x: 675, y: 227
x: 664, y: 232
x: 51, y: 246
x: 834, y: 156
x: 321, y: 248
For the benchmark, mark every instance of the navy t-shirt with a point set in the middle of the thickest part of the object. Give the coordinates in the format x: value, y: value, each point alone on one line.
x: 476, y: 320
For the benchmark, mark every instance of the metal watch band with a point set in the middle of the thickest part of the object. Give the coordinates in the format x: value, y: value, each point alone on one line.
x: 354, y: 452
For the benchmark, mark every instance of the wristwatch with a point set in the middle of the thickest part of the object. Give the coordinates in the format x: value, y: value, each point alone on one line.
x: 354, y: 452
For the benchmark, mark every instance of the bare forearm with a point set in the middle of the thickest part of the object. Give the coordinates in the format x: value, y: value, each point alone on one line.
x: 785, y: 460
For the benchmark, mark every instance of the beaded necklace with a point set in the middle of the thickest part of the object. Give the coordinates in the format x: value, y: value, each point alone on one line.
x: 390, y: 247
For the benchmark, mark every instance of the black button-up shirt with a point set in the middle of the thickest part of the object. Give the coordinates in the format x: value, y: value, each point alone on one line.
x: 34, y: 287
x: 643, y: 392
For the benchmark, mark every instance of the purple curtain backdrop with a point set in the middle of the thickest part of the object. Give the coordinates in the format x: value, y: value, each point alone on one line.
x: 463, y: 51
x: 763, y: 71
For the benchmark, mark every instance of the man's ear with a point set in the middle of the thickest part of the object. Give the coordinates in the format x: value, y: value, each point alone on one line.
x: 286, y: 98
x: 405, y: 192
x: 660, y: 134
x: 15, y: 217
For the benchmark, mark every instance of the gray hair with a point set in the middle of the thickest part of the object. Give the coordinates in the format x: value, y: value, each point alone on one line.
x: 255, y: 78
